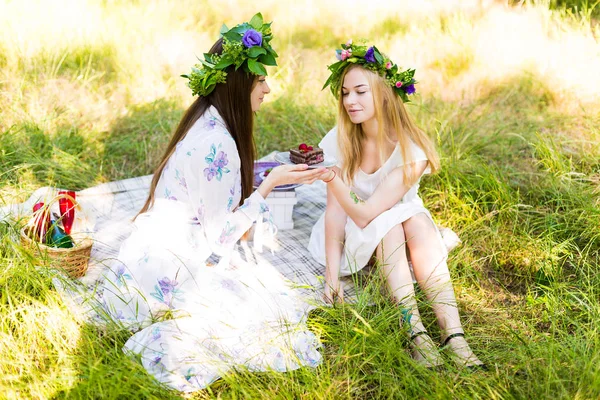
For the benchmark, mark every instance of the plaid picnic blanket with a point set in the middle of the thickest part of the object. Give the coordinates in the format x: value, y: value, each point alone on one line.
x: 114, y: 204
x: 111, y: 207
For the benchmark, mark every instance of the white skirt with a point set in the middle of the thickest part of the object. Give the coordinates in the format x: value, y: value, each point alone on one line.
x: 360, y: 244
x: 226, y: 316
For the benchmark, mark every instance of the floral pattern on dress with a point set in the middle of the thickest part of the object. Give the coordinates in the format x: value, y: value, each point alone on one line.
x: 121, y: 276
x: 210, y: 123
x: 180, y: 179
x: 155, y: 333
x: 156, y: 366
x: 165, y: 291
x: 226, y: 234
x: 199, y: 217
x: 243, y: 319
x: 246, y: 204
x: 194, y: 378
x: 229, y: 284
x: 230, y: 200
x: 144, y: 258
x: 169, y: 195
x: 216, y: 163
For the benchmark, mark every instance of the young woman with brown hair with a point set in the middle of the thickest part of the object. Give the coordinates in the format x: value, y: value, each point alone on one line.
x: 198, y: 320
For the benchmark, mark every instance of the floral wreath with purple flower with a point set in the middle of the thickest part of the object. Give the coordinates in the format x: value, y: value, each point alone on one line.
x: 371, y: 58
x: 246, y: 46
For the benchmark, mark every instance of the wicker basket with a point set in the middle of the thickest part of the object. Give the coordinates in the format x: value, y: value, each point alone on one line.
x: 73, y: 260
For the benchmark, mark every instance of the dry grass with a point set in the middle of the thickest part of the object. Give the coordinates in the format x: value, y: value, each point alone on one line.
x: 89, y: 92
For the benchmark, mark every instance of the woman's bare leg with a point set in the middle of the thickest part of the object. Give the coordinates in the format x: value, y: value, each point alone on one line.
x: 431, y: 271
x: 391, y: 254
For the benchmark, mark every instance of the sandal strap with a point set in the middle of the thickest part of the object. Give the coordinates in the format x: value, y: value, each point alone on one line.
x: 416, y: 335
x: 452, y: 336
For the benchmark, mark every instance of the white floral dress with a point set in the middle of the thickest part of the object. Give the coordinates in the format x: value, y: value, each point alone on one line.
x: 360, y: 244
x: 197, y: 319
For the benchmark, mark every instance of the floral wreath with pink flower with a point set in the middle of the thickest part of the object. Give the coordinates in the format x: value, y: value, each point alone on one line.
x: 371, y: 58
x: 246, y: 46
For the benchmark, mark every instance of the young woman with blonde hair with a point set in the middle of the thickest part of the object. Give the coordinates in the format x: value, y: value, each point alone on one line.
x: 373, y: 206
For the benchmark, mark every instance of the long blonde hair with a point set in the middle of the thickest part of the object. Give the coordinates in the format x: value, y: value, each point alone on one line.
x: 391, y: 115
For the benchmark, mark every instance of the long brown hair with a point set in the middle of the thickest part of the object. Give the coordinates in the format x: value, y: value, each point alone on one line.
x: 232, y: 101
x: 391, y: 116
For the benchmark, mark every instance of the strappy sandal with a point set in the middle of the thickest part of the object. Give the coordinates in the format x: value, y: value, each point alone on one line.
x: 433, y: 366
x: 472, y: 367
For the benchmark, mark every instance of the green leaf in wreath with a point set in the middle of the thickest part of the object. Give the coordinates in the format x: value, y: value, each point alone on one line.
x: 257, y: 21
x: 256, y: 68
x: 256, y: 51
x: 240, y: 29
x: 267, y: 59
x: 224, y: 62
x: 377, y: 55
x: 232, y: 36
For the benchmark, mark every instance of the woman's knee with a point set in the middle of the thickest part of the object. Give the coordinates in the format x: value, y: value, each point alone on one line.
x: 396, y: 233
x: 419, y: 224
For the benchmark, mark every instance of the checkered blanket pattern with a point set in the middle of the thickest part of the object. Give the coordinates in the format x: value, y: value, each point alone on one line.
x: 114, y: 204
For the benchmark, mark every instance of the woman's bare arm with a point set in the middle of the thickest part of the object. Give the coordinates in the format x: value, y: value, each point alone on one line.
x: 389, y: 192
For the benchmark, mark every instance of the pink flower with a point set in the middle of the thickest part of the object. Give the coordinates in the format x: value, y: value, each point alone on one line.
x: 388, y: 65
x: 349, y: 42
x: 398, y: 84
x: 345, y: 54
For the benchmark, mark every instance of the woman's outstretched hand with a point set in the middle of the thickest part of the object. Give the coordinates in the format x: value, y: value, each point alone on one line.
x: 291, y: 174
x: 334, y: 292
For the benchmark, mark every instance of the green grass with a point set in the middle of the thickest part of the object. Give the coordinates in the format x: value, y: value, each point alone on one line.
x: 93, y: 99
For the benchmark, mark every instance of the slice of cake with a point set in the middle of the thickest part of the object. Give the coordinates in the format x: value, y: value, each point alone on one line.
x: 306, y: 155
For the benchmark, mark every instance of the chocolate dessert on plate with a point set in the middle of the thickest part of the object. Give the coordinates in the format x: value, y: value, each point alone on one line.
x: 305, y: 154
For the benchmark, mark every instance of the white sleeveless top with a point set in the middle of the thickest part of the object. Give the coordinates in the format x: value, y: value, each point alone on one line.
x: 364, y: 184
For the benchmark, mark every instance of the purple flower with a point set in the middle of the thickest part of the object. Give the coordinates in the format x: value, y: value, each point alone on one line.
x: 156, y: 333
x: 264, y: 208
x: 252, y: 38
x: 156, y: 361
x: 210, y: 172
x: 221, y: 160
x: 166, y: 285
x: 410, y: 89
x: 370, y: 55
x: 228, y: 284
x: 210, y: 124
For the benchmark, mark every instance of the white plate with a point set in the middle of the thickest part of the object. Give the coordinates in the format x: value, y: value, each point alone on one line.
x: 259, y: 175
x: 284, y: 158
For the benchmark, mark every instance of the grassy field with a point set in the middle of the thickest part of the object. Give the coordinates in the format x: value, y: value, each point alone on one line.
x: 90, y: 91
